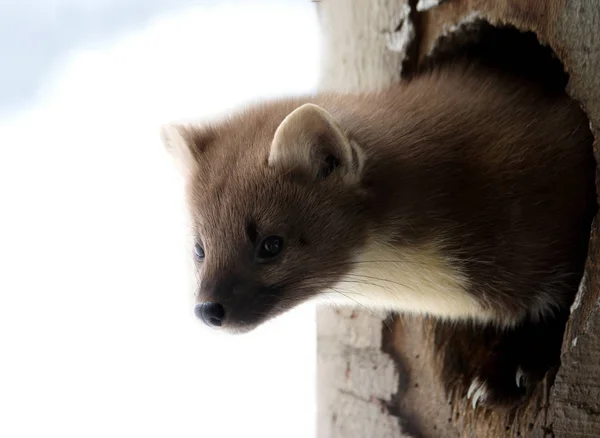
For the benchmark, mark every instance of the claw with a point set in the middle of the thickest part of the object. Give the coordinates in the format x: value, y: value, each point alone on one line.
x: 480, y: 394
x: 477, y: 392
x: 520, y: 378
x: 474, y: 385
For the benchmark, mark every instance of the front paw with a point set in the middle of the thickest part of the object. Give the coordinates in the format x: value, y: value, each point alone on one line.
x: 499, y: 367
x: 498, y: 388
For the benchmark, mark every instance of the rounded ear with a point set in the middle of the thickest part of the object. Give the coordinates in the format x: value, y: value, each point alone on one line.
x: 184, y: 143
x: 310, y: 143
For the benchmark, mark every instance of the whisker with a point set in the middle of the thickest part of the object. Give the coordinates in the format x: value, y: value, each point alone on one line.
x: 383, y: 318
x: 379, y: 279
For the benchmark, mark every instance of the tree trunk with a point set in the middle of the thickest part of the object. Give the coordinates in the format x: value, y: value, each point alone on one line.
x: 376, y: 373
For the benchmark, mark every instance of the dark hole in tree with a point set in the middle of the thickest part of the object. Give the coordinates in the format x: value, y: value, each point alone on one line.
x: 502, y: 47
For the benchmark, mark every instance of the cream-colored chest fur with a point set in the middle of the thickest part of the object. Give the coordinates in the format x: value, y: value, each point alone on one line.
x: 417, y: 281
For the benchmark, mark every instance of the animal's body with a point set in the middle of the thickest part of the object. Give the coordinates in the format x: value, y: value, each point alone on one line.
x: 465, y: 194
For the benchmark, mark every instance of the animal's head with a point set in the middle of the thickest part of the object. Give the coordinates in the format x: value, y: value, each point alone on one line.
x: 276, y: 202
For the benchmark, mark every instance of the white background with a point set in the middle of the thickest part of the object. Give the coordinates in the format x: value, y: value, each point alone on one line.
x: 97, y: 337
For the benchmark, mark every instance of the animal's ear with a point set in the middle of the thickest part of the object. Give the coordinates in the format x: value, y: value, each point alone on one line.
x: 184, y: 143
x: 310, y: 143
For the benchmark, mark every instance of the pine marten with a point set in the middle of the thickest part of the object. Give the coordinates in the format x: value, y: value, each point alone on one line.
x: 465, y: 193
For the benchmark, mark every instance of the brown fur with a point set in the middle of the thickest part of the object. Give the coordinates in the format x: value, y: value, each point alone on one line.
x: 494, y: 170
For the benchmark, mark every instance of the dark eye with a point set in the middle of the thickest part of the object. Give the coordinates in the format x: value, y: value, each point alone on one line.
x: 269, y: 247
x: 199, y: 252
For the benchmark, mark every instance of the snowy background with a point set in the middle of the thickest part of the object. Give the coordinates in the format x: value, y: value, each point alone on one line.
x: 97, y: 337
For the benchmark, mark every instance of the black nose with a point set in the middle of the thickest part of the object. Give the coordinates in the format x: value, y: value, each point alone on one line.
x: 212, y: 314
